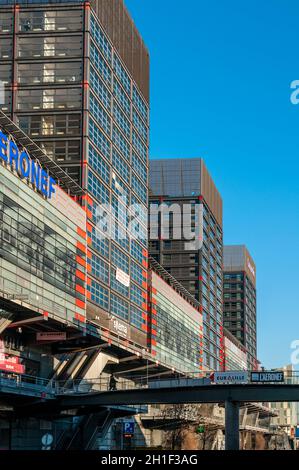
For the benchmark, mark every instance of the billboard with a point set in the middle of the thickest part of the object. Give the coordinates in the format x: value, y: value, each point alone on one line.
x: 237, y: 377
x: 267, y: 376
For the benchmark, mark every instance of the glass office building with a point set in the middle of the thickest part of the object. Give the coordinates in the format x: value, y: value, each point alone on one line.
x: 235, y: 356
x: 76, y: 78
x: 42, y: 267
x: 176, y: 325
x: 239, y: 295
x: 187, y: 184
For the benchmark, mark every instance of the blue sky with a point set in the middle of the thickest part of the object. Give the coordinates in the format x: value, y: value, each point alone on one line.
x: 220, y: 89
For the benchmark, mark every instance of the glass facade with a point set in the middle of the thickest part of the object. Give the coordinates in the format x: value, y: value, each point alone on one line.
x: 77, y: 99
x: 116, y: 173
x: 239, y: 298
x: 176, y: 328
x: 42, y: 254
x: 180, y: 183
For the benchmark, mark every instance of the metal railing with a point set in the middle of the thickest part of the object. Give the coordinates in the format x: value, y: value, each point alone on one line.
x: 51, y: 387
x: 17, y: 382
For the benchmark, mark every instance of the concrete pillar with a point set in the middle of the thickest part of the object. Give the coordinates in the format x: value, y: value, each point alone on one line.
x: 232, y: 441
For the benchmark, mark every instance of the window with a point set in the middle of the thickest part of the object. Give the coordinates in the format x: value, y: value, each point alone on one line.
x: 98, y: 163
x: 139, y: 146
x: 119, y: 307
x: 122, y: 75
x: 55, y: 20
x: 136, y: 317
x: 139, y: 167
x: 139, y: 125
x: 122, y: 98
x: 99, y: 191
x: 139, y: 188
x: 120, y: 166
x: 99, y: 139
x: 100, y: 39
x: 100, y: 90
x: 140, y: 104
x: 99, y: 114
x: 6, y: 22
x: 62, y: 150
x: 136, y: 251
x: 99, y: 294
x: 99, y: 242
x: 121, y: 143
x: 50, y: 125
x: 136, y: 295
x: 119, y: 259
x: 50, y: 46
x: 121, y: 120
x: 136, y: 273
x: 50, y: 72
x: 58, y: 98
x: 99, y: 268
x: 100, y: 64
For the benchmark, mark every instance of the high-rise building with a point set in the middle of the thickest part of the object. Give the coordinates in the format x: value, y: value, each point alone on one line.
x: 185, y: 184
x: 235, y: 357
x: 76, y: 77
x: 239, y: 294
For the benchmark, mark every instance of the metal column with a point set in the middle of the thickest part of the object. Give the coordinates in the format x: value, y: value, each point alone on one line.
x: 232, y: 441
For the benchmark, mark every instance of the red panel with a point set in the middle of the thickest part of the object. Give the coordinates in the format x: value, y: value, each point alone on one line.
x: 80, y: 304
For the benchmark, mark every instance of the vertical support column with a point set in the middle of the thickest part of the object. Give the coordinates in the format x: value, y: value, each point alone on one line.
x: 232, y: 441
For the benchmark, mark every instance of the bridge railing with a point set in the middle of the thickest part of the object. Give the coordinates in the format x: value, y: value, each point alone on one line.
x: 23, y: 382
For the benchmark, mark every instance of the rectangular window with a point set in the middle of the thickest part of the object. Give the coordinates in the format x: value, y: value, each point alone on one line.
x: 121, y: 120
x: 99, y: 191
x: 139, y: 146
x: 120, y: 165
x: 119, y: 259
x: 98, y: 163
x: 122, y: 98
x: 100, y: 90
x: 139, y: 125
x: 139, y: 189
x: 139, y: 167
x: 99, y: 114
x: 140, y: 104
x: 99, y: 139
x: 100, y: 64
x: 100, y: 38
x: 99, y: 294
x: 119, y: 307
x: 122, y: 75
x: 121, y: 143
x: 99, y: 268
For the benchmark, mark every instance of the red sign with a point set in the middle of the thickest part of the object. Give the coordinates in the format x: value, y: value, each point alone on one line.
x: 11, y: 367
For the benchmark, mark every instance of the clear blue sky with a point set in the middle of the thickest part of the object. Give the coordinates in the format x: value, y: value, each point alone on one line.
x: 220, y: 89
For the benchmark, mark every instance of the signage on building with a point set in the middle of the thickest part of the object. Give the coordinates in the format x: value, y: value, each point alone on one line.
x: 237, y: 377
x: 122, y: 277
x: 119, y: 327
x: 11, y: 364
x: 51, y: 336
x: 267, y: 376
x: 25, y: 167
x: 128, y: 428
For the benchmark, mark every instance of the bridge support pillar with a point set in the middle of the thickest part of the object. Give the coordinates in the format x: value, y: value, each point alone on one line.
x: 232, y: 441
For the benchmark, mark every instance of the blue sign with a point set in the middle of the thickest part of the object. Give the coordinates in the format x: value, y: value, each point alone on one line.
x: 25, y: 166
x: 297, y: 432
x: 128, y: 427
